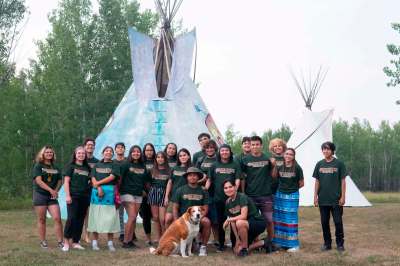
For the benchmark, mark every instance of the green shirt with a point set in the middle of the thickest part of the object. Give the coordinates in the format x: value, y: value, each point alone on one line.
x: 329, y: 175
x: 234, y: 207
x: 205, y: 164
x: 275, y: 182
x: 161, y: 178
x: 177, y: 178
x: 79, y: 184
x: 50, y: 175
x: 289, y: 177
x: 218, y: 173
x: 187, y: 196
x: 172, y: 162
x: 198, y: 156
x: 92, y: 161
x: 134, y: 177
x: 104, y: 169
x: 258, y: 175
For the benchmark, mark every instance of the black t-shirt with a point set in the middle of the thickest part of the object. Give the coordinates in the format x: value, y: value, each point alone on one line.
x: 79, y: 184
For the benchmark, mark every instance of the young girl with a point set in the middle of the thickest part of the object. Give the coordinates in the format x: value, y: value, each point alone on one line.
x: 103, y: 216
x: 135, y: 178
x: 172, y: 155
x: 277, y: 147
x: 160, y: 176
x: 77, y: 188
x: 177, y: 180
x: 290, y: 178
x: 46, y: 183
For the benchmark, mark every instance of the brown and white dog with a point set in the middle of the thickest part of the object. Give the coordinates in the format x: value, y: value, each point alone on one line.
x: 180, y: 234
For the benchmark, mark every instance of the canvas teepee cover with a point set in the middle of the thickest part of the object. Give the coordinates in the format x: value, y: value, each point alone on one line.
x: 313, y: 129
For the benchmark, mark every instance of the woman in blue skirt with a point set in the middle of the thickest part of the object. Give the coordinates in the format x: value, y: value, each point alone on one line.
x: 286, y: 204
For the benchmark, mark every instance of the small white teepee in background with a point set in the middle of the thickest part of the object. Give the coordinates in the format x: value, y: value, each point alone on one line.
x: 313, y: 129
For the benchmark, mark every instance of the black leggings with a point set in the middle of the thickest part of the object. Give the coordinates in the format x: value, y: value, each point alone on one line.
x: 145, y: 213
x: 221, y: 217
x: 76, y: 217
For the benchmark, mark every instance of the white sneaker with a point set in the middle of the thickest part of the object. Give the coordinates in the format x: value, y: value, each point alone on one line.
x: 203, y: 251
x: 292, y: 250
x: 95, y: 247
x: 78, y: 246
x: 65, y: 248
x: 111, y: 246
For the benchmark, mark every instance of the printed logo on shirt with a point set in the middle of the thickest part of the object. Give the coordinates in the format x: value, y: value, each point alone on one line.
x: 224, y: 170
x: 149, y: 166
x: 103, y: 170
x: 206, y: 165
x: 50, y: 171
x: 173, y: 164
x: 258, y: 164
x: 192, y: 197
x: 136, y: 170
x: 161, y: 177
x: 235, y: 210
x: 279, y: 163
x: 81, y: 172
x: 179, y: 173
x: 328, y: 170
x: 91, y: 165
x: 287, y: 174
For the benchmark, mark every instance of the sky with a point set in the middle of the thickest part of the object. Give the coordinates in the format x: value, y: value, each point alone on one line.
x: 246, y: 48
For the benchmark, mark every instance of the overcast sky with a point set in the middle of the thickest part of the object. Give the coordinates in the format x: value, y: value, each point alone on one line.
x: 247, y: 47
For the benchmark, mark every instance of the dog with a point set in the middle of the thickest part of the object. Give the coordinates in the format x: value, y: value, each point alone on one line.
x: 180, y: 234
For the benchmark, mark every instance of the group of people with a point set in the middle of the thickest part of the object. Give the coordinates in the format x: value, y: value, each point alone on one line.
x: 249, y: 193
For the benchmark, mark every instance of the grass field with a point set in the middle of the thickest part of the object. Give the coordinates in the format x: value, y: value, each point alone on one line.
x: 372, y: 238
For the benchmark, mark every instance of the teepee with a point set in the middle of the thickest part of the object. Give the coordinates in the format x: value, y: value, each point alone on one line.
x: 162, y: 105
x: 313, y: 129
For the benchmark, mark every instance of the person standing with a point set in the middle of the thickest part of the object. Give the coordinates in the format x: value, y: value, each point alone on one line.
x: 176, y: 181
x: 46, y: 183
x: 203, y: 139
x: 225, y: 168
x: 257, y: 168
x: 193, y: 195
x: 134, y: 179
x: 277, y: 147
x: 77, y: 189
x: 286, y: 202
x: 330, y: 194
x: 246, y: 149
x: 120, y: 160
x: 103, y: 216
x: 171, y: 150
x: 160, y: 175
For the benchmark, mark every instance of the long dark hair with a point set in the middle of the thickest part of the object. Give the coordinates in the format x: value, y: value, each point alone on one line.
x: 175, y: 156
x: 219, y: 153
x: 189, y: 162
x: 156, y: 168
x: 102, y: 152
x: 293, y: 167
x: 130, y: 159
x: 72, y: 161
x: 144, y: 152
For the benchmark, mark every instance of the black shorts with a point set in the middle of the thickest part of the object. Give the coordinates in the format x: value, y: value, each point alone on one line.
x: 43, y: 200
x: 256, y: 227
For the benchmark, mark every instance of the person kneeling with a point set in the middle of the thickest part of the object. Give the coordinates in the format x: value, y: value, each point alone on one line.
x: 244, y: 220
x: 193, y: 195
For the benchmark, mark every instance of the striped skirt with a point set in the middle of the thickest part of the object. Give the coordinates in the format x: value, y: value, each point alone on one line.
x: 156, y: 196
x: 286, y: 219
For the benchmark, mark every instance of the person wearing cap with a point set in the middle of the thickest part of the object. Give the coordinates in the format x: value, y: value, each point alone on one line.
x: 225, y: 168
x: 193, y: 195
x: 330, y: 194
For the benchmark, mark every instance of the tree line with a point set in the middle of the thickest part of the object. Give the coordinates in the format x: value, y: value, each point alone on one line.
x: 81, y: 73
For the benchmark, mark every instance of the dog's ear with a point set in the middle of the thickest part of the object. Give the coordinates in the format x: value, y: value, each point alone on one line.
x: 189, y: 210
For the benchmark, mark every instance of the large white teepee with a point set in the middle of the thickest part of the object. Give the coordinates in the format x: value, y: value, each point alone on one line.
x: 313, y: 129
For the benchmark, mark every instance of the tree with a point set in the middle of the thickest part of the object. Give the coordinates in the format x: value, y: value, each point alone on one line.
x: 393, y: 72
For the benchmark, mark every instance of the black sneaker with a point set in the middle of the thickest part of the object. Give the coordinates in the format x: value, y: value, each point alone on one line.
x: 326, y: 247
x: 267, y: 246
x: 220, y: 248
x: 130, y: 244
x: 60, y: 244
x: 121, y: 237
x: 43, y: 244
x: 243, y: 252
x: 340, y: 248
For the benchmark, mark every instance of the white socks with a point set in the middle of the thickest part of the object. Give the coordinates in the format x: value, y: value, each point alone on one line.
x: 95, y: 245
x: 110, y: 245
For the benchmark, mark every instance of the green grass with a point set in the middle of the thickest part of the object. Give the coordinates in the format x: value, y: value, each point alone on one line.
x: 383, y: 197
x: 15, y: 204
x: 371, y: 239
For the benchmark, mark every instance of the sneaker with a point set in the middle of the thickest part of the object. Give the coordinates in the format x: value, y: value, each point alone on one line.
x: 60, y: 245
x: 111, y: 247
x: 77, y: 246
x: 267, y: 246
x: 149, y: 243
x: 130, y: 244
x: 65, y: 248
x: 121, y: 237
x: 203, y: 251
x: 43, y: 244
x: 95, y: 247
x: 340, y: 248
x: 243, y: 252
x: 326, y: 247
x: 294, y: 249
x: 220, y: 248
